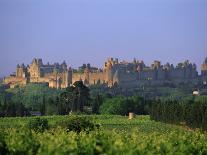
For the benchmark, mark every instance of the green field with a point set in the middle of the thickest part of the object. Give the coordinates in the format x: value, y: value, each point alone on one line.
x: 117, y: 135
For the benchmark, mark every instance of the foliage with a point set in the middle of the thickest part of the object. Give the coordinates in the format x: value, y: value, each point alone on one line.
x: 96, y: 103
x: 21, y: 141
x: 75, y: 97
x: 123, y: 105
x: 116, y: 105
x: 32, y: 97
x: 78, y: 124
x: 38, y: 124
x: 190, y: 110
x: 3, y: 149
x: 118, y: 136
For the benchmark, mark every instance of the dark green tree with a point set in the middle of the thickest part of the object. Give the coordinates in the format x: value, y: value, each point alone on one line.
x: 76, y: 97
x: 51, y: 108
x: 43, y: 106
x: 96, y: 104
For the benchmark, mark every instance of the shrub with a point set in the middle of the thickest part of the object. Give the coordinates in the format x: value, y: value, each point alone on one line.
x: 38, y: 124
x: 123, y: 105
x: 78, y: 124
x: 3, y: 149
x: 21, y: 141
x: 114, y: 106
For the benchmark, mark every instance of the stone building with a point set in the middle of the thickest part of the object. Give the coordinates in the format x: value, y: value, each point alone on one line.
x: 56, y: 75
x: 124, y: 74
x: 204, y: 68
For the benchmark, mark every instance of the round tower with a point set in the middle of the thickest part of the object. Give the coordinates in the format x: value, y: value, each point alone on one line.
x: 86, y: 74
x: 70, y: 75
x: 109, y: 74
x: 204, y: 68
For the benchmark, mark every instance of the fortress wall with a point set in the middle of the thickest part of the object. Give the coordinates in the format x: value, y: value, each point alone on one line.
x: 190, y: 73
x: 48, y: 75
x: 47, y: 70
x: 52, y: 84
x: 95, y: 77
x: 177, y: 74
x: 127, y: 80
x: 77, y: 77
x: 126, y: 77
x: 43, y: 80
x: 39, y: 79
x: 113, y: 72
x: 204, y: 71
x: 12, y: 79
x: 161, y: 74
x: 145, y: 75
x: 194, y: 74
x: 9, y: 79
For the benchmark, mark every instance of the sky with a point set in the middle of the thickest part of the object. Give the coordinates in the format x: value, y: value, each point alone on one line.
x: 90, y: 31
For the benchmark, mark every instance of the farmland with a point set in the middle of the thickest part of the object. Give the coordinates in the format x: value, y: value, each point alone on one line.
x: 116, y: 135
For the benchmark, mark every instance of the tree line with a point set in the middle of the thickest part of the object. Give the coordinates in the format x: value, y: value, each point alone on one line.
x: 77, y: 98
x: 191, y: 111
x: 21, y: 101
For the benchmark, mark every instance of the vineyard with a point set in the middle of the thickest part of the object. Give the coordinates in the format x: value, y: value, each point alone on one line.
x: 114, y: 135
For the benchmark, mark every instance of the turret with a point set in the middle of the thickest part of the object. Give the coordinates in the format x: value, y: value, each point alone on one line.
x: 204, y: 68
x: 21, y: 71
x: 34, y: 69
x: 116, y: 60
x: 156, y: 64
x: 109, y: 74
x: 70, y: 73
x: 86, y: 72
x: 64, y: 65
x: 116, y: 77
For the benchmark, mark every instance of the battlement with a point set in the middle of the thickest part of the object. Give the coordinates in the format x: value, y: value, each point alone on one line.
x: 123, y: 73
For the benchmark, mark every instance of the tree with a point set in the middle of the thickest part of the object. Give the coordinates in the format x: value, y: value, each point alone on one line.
x: 136, y: 105
x: 76, y: 97
x: 68, y: 99
x: 20, y: 109
x: 82, y: 95
x: 10, y: 109
x: 96, y: 103
x: 191, y: 110
x: 51, y: 108
x: 116, y: 106
x: 43, y: 106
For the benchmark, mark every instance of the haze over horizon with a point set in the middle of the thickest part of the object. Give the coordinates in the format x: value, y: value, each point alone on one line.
x: 90, y: 31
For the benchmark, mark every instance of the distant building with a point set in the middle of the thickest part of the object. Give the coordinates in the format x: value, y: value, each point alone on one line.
x: 56, y: 75
x: 204, y: 69
x: 124, y: 74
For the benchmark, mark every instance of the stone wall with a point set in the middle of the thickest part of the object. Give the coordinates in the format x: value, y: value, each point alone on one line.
x: 126, y: 74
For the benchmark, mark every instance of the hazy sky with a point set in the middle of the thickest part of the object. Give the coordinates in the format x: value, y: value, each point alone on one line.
x: 81, y: 31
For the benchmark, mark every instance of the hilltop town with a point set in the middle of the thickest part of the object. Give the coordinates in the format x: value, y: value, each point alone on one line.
x: 124, y: 74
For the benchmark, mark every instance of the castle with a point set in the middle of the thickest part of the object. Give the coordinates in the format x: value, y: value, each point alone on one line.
x: 124, y: 74
x: 56, y: 75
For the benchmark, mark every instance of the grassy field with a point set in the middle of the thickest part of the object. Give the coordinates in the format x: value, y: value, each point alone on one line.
x: 117, y: 135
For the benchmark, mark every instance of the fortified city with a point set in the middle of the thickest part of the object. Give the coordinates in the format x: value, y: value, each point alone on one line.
x: 125, y: 74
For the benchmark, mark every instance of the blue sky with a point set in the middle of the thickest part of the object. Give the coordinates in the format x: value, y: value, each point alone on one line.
x: 82, y: 31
